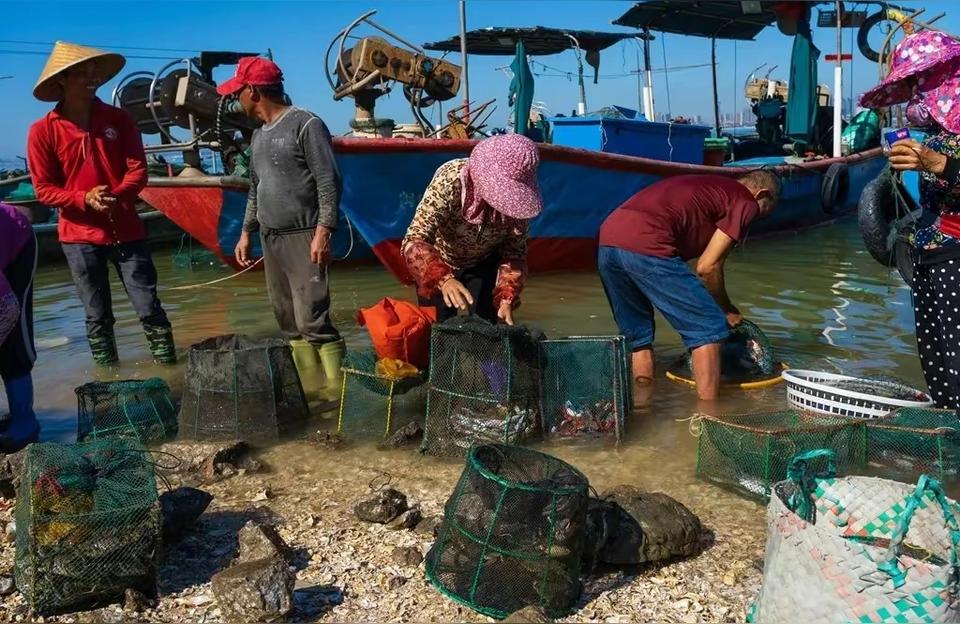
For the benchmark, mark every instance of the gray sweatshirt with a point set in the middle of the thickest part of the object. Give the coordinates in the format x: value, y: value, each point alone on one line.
x: 294, y: 181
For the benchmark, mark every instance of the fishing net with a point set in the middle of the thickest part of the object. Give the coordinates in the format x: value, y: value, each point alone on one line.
x: 512, y: 533
x: 236, y: 387
x: 586, y: 385
x: 750, y: 453
x: 140, y: 408
x: 374, y: 404
x: 88, y: 524
x: 484, y: 385
x: 746, y: 356
x: 916, y: 441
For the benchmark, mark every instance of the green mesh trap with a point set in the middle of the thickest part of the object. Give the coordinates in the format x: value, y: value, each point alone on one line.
x: 915, y: 441
x: 586, y: 386
x: 88, y: 524
x: 237, y: 387
x: 375, y: 406
x: 484, y: 386
x: 140, y: 408
x: 512, y: 533
x: 750, y: 453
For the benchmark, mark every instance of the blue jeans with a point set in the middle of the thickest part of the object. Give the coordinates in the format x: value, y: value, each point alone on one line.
x: 636, y: 284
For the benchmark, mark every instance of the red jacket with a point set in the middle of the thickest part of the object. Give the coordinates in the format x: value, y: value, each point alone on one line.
x: 66, y: 161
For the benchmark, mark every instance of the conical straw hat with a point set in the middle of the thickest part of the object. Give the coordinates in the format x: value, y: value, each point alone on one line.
x: 66, y: 55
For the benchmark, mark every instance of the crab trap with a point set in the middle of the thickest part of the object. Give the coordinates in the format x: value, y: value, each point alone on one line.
x: 750, y: 453
x: 237, y: 387
x: 139, y: 408
x: 915, y: 441
x: 484, y: 386
x: 374, y: 401
x: 586, y: 386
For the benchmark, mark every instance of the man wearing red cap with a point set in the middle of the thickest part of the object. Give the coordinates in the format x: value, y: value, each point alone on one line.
x: 293, y: 202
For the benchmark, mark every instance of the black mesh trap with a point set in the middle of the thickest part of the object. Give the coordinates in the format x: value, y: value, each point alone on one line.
x: 88, y: 524
x: 139, y: 408
x: 586, y: 385
x: 751, y: 452
x: 915, y: 441
x: 237, y: 387
x: 512, y: 534
x: 375, y: 405
x: 484, y: 386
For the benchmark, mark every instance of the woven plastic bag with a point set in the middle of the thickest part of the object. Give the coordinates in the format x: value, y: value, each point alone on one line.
x: 858, y: 549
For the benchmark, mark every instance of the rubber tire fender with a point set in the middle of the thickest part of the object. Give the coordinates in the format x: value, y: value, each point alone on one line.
x: 834, y: 187
x: 876, y: 213
x: 863, y: 35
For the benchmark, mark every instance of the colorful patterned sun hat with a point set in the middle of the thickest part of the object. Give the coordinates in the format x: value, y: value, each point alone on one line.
x: 503, y: 170
x: 920, y: 62
x: 943, y: 102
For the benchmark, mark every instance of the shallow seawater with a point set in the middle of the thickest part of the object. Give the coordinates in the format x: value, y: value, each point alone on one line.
x: 820, y: 297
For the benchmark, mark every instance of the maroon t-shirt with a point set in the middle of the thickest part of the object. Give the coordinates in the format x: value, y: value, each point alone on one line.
x: 678, y: 216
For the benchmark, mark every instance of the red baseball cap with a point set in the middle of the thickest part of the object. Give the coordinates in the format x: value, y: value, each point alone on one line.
x: 252, y: 70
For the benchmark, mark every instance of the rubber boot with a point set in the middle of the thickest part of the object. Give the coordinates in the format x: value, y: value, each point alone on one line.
x: 308, y: 367
x: 103, y: 347
x: 331, y: 357
x: 22, y: 428
x: 160, y: 342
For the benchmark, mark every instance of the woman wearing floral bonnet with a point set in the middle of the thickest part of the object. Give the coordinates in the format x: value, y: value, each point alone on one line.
x: 925, y: 73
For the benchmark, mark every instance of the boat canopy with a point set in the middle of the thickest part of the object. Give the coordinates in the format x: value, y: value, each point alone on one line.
x: 719, y: 19
x: 538, y: 40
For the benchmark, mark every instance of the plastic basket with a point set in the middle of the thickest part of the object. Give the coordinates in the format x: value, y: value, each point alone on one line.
x: 818, y: 392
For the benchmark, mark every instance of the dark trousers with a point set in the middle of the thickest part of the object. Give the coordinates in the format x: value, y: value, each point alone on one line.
x: 936, y: 301
x: 480, y: 280
x: 17, y: 353
x: 89, y: 264
x: 299, y: 290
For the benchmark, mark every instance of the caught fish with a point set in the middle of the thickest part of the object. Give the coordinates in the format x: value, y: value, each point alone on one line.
x: 497, y: 424
x: 597, y: 419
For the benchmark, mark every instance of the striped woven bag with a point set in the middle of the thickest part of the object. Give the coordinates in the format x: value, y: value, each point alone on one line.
x: 858, y: 549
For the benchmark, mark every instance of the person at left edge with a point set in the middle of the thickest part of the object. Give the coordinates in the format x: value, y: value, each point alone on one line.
x: 86, y: 159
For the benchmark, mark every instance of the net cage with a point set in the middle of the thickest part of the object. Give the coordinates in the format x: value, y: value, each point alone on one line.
x: 374, y: 405
x: 88, y: 524
x: 586, y: 385
x: 513, y: 532
x: 484, y: 386
x: 916, y: 441
x: 238, y: 387
x: 139, y: 408
x: 749, y: 453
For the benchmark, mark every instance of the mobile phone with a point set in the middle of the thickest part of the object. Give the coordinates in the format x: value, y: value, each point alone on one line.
x: 891, y: 137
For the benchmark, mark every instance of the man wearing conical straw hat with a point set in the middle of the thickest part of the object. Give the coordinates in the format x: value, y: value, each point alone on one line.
x: 86, y: 159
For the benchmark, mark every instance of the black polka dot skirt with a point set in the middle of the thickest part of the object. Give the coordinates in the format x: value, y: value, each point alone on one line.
x: 936, y: 306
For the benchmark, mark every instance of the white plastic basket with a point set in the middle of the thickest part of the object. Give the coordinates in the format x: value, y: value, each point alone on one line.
x: 816, y: 392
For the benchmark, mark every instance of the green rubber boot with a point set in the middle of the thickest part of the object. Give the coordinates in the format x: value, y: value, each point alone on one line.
x: 103, y: 347
x: 309, y: 369
x: 160, y: 342
x: 331, y: 357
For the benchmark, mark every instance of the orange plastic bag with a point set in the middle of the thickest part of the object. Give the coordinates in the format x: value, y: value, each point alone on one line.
x: 400, y: 330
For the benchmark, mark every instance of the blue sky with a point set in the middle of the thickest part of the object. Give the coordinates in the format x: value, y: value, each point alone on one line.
x: 298, y: 33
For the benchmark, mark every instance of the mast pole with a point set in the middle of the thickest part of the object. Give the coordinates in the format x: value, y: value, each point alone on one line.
x: 463, y: 60
x: 837, y: 85
x: 648, y: 89
x: 716, y: 95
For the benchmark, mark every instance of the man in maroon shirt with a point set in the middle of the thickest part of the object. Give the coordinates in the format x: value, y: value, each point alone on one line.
x: 86, y: 159
x: 645, y: 245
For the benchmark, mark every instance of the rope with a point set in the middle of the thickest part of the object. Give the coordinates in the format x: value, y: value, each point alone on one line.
x: 694, y: 424
x: 216, y: 281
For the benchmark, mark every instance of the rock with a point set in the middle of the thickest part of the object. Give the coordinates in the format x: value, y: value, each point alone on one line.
x: 407, y: 435
x: 383, y: 507
x: 261, y: 541
x: 136, y: 601
x: 10, y: 532
x: 255, y: 591
x: 396, y: 582
x: 211, y: 462
x: 407, y: 520
x: 629, y: 526
x: 529, y: 615
x: 429, y: 527
x: 181, y: 508
x: 325, y: 439
x: 7, y: 584
x: 407, y: 556
x: 263, y: 495
x: 10, y: 468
